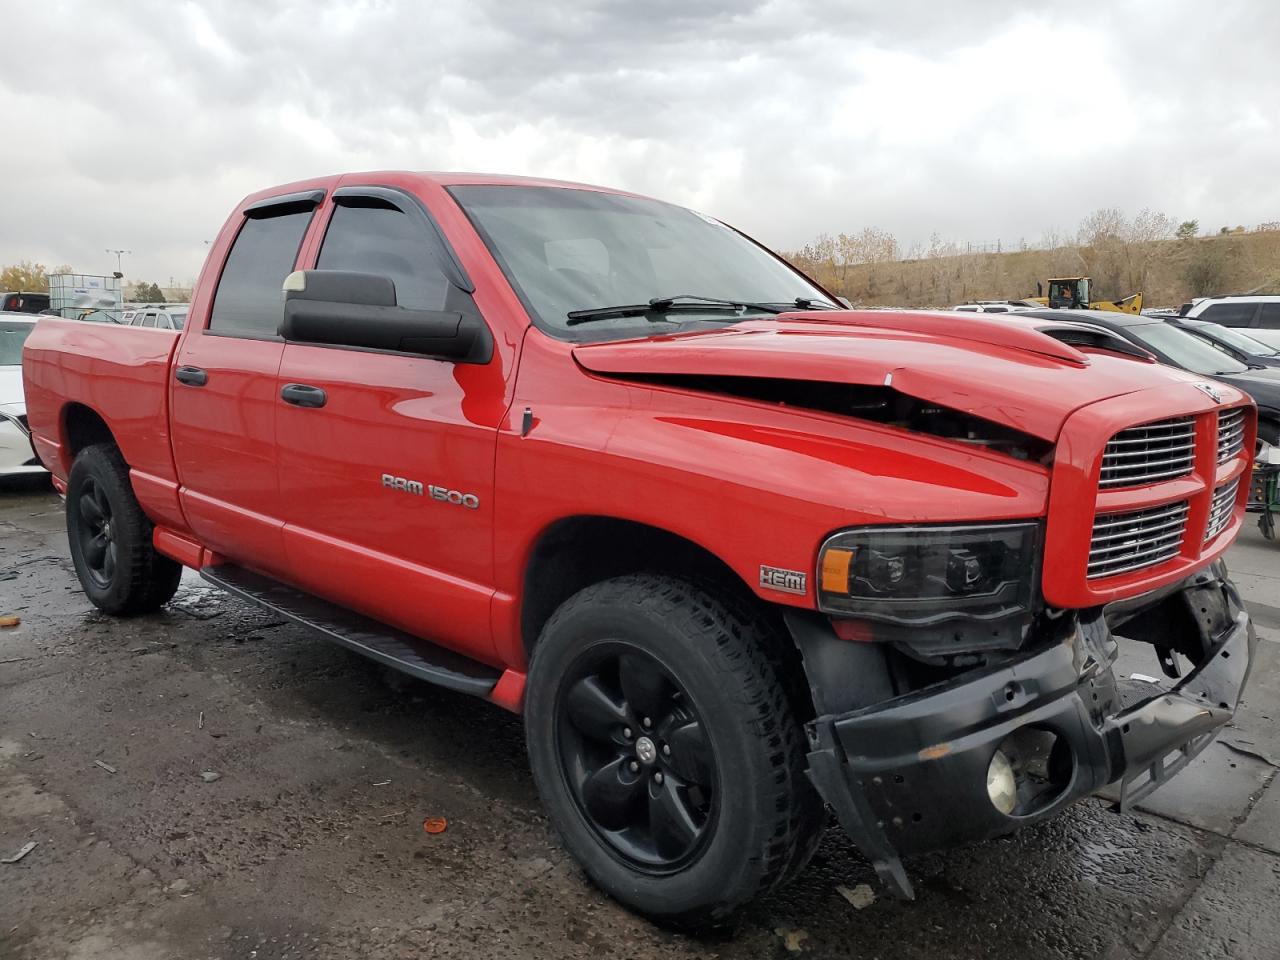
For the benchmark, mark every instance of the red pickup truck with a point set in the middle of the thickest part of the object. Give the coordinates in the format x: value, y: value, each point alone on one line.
x: 732, y: 549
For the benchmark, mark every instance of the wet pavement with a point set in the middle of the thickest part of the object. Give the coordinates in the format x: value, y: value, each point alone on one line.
x: 212, y: 782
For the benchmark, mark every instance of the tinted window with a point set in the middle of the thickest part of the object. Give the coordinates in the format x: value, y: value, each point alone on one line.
x: 1232, y: 338
x: 177, y: 321
x: 1185, y: 350
x: 249, y: 301
x: 1229, y: 314
x: 149, y: 320
x: 1270, y: 319
x: 370, y: 236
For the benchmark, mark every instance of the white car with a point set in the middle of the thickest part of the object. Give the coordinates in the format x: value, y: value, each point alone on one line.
x: 16, y: 453
x: 159, y: 317
x: 991, y: 306
x: 1257, y: 316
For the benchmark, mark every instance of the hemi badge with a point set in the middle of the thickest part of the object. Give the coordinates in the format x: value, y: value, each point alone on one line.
x: 784, y: 581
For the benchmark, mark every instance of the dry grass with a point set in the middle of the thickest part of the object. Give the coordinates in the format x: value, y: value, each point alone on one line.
x: 1168, y: 272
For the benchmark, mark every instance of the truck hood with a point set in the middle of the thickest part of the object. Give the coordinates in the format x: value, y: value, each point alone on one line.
x: 1025, y: 378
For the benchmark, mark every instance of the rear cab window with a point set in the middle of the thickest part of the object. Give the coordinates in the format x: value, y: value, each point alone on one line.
x: 248, y: 300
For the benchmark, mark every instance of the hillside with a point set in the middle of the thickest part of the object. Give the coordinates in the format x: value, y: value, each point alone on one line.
x: 1168, y: 272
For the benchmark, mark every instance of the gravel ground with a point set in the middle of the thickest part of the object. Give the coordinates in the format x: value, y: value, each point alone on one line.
x: 212, y: 782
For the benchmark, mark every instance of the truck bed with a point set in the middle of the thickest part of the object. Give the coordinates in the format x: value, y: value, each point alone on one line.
x: 71, y: 367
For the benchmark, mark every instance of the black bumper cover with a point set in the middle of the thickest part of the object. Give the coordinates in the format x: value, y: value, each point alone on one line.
x: 908, y: 774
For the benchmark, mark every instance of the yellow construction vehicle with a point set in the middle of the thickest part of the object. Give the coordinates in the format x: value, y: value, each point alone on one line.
x: 1073, y: 293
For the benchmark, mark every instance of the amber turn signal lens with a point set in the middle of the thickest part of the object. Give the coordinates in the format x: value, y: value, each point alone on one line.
x: 835, y: 570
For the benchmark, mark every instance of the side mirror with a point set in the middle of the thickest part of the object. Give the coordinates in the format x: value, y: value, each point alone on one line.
x: 346, y: 309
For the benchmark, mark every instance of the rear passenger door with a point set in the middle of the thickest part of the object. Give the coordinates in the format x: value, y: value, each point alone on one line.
x: 387, y: 488
x: 224, y: 396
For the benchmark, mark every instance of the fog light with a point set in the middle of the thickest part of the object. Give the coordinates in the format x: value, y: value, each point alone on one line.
x: 1002, y: 785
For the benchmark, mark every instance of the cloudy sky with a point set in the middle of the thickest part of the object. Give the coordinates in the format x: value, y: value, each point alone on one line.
x: 139, y: 123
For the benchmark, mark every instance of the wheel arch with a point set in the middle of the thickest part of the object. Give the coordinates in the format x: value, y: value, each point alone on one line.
x: 82, y: 426
x: 575, y: 552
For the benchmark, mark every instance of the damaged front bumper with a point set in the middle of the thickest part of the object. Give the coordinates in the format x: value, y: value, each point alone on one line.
x: 910, y: 773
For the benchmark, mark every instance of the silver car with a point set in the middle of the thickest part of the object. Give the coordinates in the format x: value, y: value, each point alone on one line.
x: 16, y: 453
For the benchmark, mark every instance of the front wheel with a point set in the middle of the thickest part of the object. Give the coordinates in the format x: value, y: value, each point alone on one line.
x: 110, y: 537
x: 665, y: 750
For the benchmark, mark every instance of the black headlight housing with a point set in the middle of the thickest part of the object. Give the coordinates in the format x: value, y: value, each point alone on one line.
x: 927, y: 575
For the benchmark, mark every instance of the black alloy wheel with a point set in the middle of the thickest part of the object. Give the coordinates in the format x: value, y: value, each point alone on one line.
x: 95, y: 533
x: 110, y: 537
x: 637, y: 758
x: 668, y: 753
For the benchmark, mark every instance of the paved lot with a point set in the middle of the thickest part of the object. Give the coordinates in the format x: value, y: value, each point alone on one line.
x: 309, y: 841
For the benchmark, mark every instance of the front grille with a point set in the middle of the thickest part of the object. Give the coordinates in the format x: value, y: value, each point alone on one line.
x: 1151, y: 452
x: 1230, y: 433
x: 1130, y: 541
x: 1220, y: 510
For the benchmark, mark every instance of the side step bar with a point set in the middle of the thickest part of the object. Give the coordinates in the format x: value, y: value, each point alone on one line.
x: 377, y: 641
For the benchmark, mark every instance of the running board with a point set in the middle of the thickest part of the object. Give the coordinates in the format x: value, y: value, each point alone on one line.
x: 377, y: 641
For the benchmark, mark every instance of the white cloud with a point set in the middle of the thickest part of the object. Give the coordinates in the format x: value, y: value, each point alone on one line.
x: 979, y: 120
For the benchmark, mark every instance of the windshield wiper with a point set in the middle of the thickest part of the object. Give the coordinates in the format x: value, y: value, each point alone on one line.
x: 661, y: 305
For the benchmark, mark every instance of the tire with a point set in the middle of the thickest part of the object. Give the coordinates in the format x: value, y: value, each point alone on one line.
x: 110, y: 537
x: 682, y: 830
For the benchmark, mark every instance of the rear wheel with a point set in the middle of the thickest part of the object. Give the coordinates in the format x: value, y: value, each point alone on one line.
x: 665, y: 751
x: 110, y: 537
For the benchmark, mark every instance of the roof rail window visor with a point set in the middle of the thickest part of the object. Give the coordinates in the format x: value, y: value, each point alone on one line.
x: 247, y: 300
x: 391, y: 198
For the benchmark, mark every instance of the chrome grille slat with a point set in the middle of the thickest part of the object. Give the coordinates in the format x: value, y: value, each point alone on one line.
x: 1125, y: 519
x: 1150, y: 452
x: 1132, y: 454
x: 1175, y: 522
x: 1172, y: 534
x: 1141, y: 538
x: 1230, y: 433
x: 1221, y: 509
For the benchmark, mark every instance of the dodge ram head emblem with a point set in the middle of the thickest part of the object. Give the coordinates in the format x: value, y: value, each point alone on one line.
x: 787, y: 581
x: 1211, y: 391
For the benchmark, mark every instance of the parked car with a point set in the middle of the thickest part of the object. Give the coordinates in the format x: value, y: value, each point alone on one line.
x: 1179, y: 348
x: 159, y: 318
x: 99, y: 315
x: 993, y: 306
x: 1258, y: 316
x: 23, y: 302
x: 1240, y: 345
x: 732, y: 550
x: 17, y: 456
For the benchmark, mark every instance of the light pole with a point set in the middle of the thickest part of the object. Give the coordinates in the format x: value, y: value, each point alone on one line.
x: 119, y: 254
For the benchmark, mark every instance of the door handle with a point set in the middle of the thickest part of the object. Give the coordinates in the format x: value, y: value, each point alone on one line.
x: 303, y: 395
x: 191, y: 376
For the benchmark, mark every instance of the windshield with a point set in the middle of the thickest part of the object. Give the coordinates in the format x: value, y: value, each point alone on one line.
x: 11, y: 337
x: 1184, y: 350
x: 568, y: 250
x: 1232, y: 338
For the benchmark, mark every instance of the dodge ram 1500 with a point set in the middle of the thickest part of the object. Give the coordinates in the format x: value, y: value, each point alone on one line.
x: 732, y: 549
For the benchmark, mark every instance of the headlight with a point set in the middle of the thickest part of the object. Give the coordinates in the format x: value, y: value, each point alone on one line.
x: 927, y: 575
